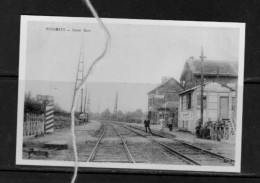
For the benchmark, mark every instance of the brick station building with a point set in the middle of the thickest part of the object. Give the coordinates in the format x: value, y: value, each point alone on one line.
x: 163, y: 100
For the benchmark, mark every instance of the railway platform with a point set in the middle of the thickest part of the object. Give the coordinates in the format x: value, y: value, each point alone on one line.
x: 83, y: 133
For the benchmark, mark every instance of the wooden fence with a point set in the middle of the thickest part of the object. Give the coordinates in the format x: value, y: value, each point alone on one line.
x: 34, y: 125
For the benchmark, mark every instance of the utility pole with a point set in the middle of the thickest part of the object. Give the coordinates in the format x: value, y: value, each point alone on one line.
x: 202, y: 85
x: 218, y: 73
x: 88, y: 105
x: 82, y: 76
x: 115, y: 108
x: 85, y: 100
x: 79, y: 77
x: 99, y: 116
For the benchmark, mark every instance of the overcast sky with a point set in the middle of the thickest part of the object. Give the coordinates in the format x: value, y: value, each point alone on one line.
x: 138, y: 53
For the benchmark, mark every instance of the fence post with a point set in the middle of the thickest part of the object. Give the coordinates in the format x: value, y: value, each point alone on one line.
x: 34, y: 124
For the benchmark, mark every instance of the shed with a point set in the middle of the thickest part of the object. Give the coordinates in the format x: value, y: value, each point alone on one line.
x: 219, y: 102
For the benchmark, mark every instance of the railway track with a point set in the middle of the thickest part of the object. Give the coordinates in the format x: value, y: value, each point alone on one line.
x: 191, y: 154
x: 110, y: 147
x: 177, y: 157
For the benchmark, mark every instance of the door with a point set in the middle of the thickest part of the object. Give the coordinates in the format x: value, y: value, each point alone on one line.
x: 223, y: 107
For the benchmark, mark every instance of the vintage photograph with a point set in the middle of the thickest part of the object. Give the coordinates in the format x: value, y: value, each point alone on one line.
x: 168, y: 95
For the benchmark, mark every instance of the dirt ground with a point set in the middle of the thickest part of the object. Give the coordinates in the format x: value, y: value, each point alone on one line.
x: 88, y: 134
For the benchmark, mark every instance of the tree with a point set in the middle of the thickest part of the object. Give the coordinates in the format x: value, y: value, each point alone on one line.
x: 31, y: 105
x: 59, y: 111
x: 95, y: 116
x: 128, y: 117
x: 134, y: 116
x: 120, y: 116
x: 138, y: 113
x: 106, y: 114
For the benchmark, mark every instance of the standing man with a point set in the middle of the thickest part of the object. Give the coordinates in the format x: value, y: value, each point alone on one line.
x: 147, y: 124
x: 171, y: 121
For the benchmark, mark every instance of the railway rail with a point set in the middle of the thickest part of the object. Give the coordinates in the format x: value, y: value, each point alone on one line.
x: 192, y: 154
x: 170, y: 151
x: 105, y: 152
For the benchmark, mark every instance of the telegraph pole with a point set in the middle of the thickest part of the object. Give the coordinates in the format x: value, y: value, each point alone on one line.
x: 88, y: 103
x: 85, y: 101
x: 202, y: 85
x: 99, y: 116
x: 79, y: 77
x: 115, y: 107
x: 218, y: 73
x: 82, y: 76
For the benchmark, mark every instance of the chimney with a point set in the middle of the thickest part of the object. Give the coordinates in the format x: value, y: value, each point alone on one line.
x: 218, y: 73
x: 164, y: 79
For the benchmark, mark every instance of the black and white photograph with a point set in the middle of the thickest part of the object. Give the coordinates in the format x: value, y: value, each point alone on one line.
x: 167, y: 95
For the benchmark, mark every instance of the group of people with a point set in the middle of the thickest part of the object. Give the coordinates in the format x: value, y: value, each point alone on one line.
x: 210, y: 130
x: 164, y: 122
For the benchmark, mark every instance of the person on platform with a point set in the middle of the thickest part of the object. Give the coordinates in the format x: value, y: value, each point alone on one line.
x: 170, y: 122
x: 147, y: 124
x: 162, y: 123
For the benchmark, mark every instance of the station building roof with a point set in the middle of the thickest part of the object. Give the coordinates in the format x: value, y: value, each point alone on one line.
x: 210, y: 67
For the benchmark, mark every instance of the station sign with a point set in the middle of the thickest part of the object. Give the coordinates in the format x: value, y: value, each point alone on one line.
x: 47, y: 98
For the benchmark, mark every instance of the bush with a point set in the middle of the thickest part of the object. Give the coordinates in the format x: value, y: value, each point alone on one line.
x: 32, y: 106
x: 60, y: 112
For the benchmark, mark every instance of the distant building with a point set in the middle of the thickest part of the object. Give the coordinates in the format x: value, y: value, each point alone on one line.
x: 163, y: 100
x: 219, y: 102
x: 226, y: 71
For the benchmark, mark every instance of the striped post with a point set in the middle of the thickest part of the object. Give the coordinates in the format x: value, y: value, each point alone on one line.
x: 49, y: 118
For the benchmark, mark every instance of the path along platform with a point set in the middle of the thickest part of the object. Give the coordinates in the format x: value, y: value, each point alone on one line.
x: 61, y: 138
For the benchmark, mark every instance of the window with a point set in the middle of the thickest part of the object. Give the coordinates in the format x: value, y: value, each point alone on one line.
x: 184, y: 102
x: 159, y: 92
x: 204, y: 101
x: 189, y: 101
x: 169, y: 97
x: 159, y: 101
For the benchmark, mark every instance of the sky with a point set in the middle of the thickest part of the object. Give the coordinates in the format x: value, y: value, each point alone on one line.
x: 139, y: 54
x: 131, y: 96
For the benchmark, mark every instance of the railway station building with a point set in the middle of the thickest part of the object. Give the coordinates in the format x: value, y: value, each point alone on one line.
x: 219, y: 96
x: 163, y: 100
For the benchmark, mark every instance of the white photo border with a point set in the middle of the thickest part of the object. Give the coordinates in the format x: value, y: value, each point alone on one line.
x: 21, y: 89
